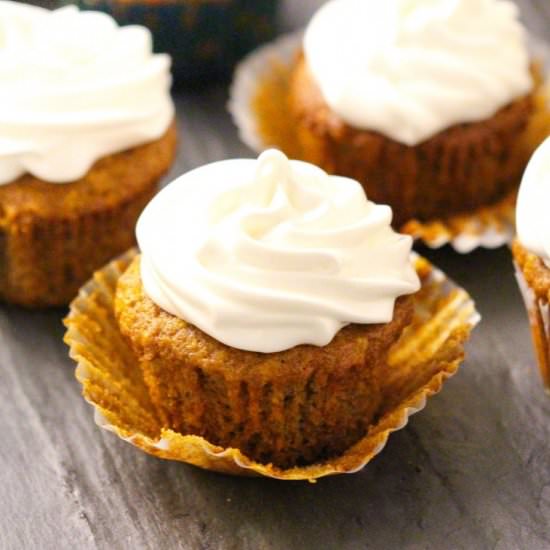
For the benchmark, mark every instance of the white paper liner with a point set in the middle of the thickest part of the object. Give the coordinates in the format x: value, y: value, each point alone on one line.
x: 458, y: 310
x: 245, y: 84
x: 539, y: 320
x: 489, y: 232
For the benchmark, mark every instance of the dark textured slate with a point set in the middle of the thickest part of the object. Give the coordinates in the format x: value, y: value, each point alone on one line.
x: 472, y: 471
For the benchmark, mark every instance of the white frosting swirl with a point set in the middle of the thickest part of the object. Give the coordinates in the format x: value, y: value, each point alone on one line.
x: 269, y: 254
x: 532, y: 219
x: 75, y: 87
x: 412, y: 68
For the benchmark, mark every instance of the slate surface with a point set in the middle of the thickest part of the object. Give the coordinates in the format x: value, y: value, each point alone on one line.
x: 472, y: 471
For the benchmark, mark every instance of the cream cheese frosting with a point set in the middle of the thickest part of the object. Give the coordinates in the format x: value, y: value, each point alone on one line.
x: 532, y: 218
x: 412, y: 68
x: 74, y: 86
x: 267, y: 254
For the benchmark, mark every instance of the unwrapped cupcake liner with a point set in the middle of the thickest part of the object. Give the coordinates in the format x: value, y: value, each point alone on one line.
x: 429, y: 351
x: 263, y: 77
x: 538, y: 312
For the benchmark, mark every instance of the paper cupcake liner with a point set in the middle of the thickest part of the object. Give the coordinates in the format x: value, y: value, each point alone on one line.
x: 539, y: 320
x: 76, y: 246
x: 258, y: 97
x: 429, y: 351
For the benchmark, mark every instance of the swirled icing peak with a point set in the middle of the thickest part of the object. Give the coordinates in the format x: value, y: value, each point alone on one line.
x: 74, y: 86
x: 532, y: 219
x: 269, y: 254
x: 412, y: 68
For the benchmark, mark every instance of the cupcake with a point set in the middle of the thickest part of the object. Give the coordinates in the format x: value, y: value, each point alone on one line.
x: 263, y: 306
x: 87, y: 133
x: 531, y: 252
x: 434, y: 106
x: 425, y: 103
x: 273, y: 324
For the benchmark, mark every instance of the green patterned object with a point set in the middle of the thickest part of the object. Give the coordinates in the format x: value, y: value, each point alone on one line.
x: 205, y: 37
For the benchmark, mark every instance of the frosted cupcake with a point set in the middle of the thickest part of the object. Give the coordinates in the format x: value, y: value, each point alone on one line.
x: 531, y: 252
x: 263, y: 307
x: 274, y: 323
x: 425, y: 103
x: 434, y: 106
x: 87, y: 132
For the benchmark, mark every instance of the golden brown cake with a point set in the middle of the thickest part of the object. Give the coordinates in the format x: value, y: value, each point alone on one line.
x: 88, y: 131
x: 53, y: 236
x: 263, y: 307
x: 433, y: 115
x: 458, y: 170
x: 288, y: 408
x: 534, y: 279
x: 428, y: 352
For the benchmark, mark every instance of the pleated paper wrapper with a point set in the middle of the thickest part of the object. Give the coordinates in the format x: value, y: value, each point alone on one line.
x: 259, y: 107
x: 539, y: 320
x: 429, y: 351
